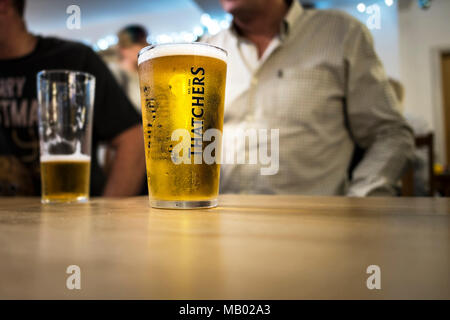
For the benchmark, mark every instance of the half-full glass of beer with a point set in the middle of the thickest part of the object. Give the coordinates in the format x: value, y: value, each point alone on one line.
x: 66, y: 102
x: 182, y: 94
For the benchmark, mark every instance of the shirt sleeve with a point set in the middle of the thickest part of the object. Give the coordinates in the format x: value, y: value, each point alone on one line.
x: 374, y: 121
x: 113, y: 112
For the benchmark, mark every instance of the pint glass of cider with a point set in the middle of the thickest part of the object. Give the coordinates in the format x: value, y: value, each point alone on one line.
x: 182, y: 94
x: 66, y: 100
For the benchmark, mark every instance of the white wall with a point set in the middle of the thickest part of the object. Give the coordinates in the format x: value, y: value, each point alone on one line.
x: 422, y: 34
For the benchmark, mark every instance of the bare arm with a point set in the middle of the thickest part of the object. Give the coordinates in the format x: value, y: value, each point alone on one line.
x: 128, y: 166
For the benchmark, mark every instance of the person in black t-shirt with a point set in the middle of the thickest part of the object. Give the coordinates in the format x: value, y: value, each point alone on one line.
x: 22, y: 56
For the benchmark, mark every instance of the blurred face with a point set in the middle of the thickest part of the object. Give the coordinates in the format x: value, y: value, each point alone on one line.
x: 242, y: 8
x: 7, y: 15
x: 128, y: 56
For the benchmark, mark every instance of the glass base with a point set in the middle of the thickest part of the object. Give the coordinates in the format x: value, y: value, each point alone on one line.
x: 80, y: 199
x: 203, y: 204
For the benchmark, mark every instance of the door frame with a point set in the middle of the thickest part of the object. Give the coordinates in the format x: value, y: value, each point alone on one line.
x: 437, y: 94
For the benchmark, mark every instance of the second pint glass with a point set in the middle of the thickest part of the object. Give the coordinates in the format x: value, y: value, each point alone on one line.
x: 182, y: 95
x: 66, y: 102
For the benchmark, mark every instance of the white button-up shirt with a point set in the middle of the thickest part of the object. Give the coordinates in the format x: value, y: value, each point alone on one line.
x: 322, y: 85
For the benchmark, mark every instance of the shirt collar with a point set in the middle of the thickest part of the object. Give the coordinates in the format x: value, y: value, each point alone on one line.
x: 290, y: 19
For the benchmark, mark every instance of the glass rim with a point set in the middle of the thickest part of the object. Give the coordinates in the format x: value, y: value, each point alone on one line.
x: 153, y: 46
x: 88, y: 75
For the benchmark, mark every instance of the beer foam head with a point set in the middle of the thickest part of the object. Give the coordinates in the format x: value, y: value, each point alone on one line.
x: 181, y: 49
x: 76, y: 157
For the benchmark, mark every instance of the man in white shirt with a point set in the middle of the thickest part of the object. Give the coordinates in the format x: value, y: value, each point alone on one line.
x: 315, y: 76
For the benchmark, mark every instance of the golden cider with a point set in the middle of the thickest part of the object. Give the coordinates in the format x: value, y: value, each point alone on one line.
x: 65, y: 178
x: 181, y: 91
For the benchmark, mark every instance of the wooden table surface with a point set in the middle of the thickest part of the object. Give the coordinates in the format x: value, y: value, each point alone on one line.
x: 251, y: 247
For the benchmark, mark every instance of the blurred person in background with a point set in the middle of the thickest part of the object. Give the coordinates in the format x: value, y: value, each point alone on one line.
x: 122, y: 61
x: 314, y: 75
x: 116, y: 122
x: 131, y: 40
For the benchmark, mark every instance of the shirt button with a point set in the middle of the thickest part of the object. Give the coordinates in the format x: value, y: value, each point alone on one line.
x: 254, y: 81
